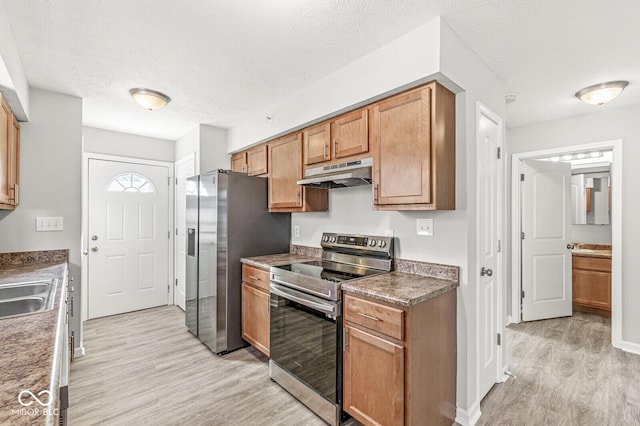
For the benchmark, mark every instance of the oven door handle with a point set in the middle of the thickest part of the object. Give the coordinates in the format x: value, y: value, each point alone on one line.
x: 302, y: 299
x: 317, y: 293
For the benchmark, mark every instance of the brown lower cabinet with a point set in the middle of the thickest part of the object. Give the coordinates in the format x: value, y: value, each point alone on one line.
x: 400, y: 363
x: 255, y: 308
x: 591, y: 280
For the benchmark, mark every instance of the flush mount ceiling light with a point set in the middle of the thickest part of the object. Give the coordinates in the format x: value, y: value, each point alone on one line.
x: 149, y: 99
x: 600, y: 94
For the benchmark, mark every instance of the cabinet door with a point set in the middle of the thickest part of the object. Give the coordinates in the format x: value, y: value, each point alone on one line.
x: 239, y: 162
x: 5, y: 125
x: 592, y: 288
x: 351, y: 134
x: 255, y: 318
x: 285, y: 163
x: 14, y: 161
x: 373, y: 379
x: 401, y: 136
x: 316, y: 144
x: 257, y: 160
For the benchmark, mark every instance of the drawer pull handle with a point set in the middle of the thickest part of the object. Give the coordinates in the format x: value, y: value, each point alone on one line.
x: 255, y: 278
x: 371, y: 317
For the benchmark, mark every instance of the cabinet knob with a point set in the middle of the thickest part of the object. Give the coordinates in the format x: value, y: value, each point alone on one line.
x: 94, y: 249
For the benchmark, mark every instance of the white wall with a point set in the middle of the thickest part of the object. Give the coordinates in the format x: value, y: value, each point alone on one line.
x: 609, y: 123
x: 213, y: 148
x: 50, y: 177
x: 429, y: 52
x: 12, y: 78
x: 209, y: 145
x: 101, y: 141
x: 599, y: 234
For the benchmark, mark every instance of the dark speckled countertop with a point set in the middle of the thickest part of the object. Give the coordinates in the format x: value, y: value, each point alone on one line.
x: 28, y: 356
x: 266, y: 262
x: 592, y: 250
x: 410, y: 283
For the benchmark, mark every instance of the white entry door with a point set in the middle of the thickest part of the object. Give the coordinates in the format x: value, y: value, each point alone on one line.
x: 128, y: 256
x: 185, y: 168
x: 489, y: 141
x: 546, y: 227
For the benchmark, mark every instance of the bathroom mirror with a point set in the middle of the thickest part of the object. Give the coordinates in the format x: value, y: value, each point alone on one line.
x: 591, y: 198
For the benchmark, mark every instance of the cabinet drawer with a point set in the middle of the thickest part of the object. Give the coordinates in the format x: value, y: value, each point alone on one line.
x: 255, y: 276
x: 591, y: 263
x: 375, y: 316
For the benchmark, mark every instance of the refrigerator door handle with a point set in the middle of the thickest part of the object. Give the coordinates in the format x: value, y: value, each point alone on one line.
x: 191, y: 242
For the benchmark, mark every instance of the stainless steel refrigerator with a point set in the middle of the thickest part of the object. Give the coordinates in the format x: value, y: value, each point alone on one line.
x: 227, y: 219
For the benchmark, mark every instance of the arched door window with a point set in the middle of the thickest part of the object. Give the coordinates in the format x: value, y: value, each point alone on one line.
x: 131, y: 182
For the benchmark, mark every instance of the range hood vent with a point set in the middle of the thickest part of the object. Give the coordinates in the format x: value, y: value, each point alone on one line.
x: 350, y: 173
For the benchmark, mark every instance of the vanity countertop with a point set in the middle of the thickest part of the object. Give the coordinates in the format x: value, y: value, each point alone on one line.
x: 592, y: 250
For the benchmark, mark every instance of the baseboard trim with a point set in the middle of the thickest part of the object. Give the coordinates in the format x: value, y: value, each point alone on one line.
x: 78, y: 351
x: 468, y: 417
x: 630, y: 347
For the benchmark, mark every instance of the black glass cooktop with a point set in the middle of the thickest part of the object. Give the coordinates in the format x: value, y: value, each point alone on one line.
x: 330, y: 271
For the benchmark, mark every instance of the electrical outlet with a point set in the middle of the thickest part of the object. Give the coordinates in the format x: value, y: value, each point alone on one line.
x: 296, y: 231
x: 424, y: 227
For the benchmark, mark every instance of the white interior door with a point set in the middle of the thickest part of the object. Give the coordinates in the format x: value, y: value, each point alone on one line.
x: 546, y: 227
x: 185, y: 168
x: 489, y: 140
x: 128, y: 224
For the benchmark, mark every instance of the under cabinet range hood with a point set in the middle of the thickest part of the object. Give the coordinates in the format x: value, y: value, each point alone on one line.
x: 350, y: 173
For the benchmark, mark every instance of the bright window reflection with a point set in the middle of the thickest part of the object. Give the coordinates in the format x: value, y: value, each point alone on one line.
x: 131, y: 182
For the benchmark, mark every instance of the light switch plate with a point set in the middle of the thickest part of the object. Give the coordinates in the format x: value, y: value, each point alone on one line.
x: 296, y: 231
x: 424, y: 227
x: 47, y: 224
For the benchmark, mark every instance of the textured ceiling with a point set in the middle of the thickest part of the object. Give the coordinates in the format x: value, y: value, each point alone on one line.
x: 222, y: 60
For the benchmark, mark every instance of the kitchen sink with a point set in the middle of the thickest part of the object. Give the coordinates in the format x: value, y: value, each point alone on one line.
x: 26, y: 297
x: 11, y: 291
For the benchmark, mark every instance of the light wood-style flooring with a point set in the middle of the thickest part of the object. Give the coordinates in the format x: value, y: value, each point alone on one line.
x: 145, y: 368
x: 567, y: 373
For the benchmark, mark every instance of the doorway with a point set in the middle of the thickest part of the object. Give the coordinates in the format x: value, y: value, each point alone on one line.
x: 126, y: 235
x: 184, y: 169
x: 517, y: 265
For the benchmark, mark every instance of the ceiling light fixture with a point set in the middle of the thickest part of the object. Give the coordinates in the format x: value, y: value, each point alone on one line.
x: 600, y: 94
x: 149, y: 99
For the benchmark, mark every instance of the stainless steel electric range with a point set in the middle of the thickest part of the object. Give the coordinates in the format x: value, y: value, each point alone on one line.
x: 306, y: 318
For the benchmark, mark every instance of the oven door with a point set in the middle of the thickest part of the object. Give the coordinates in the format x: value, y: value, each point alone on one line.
x: 306, y: 339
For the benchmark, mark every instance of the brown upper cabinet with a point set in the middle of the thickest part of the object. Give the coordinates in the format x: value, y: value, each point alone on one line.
x: 350, y: 134
x: 9, y: 157
x: 257, y: 160
x: 285, y: 165
x: 317, y: 143
x: 239, y: 162
x: 345, y: 136
x: 413, y: 143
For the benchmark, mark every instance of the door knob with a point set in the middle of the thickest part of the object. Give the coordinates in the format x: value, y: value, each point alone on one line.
x: 94, y: 249
x: 94, y: 237
x: 484, y: 271
x: 570, y: 246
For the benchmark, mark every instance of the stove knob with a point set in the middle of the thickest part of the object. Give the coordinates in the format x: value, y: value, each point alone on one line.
x: 372, y: 243
x: 333, y: 239
x: 381, y: 243
x: 325, y: 238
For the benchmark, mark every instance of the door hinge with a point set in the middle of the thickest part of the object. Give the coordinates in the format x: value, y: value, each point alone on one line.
x: 176, y: 282
x: 521, y: 177
x: 169, y: 234
x: 522, y: 294
x: 499, y: 246
x: 499, y: 340
x: 168, y: 288
x: 499, y: 152
x: 522, y: 235
x: 176, y: 231
x: 176, y: 181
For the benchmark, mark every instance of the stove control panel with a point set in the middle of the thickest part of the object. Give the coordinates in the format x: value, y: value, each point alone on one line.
x: 382, y: 245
